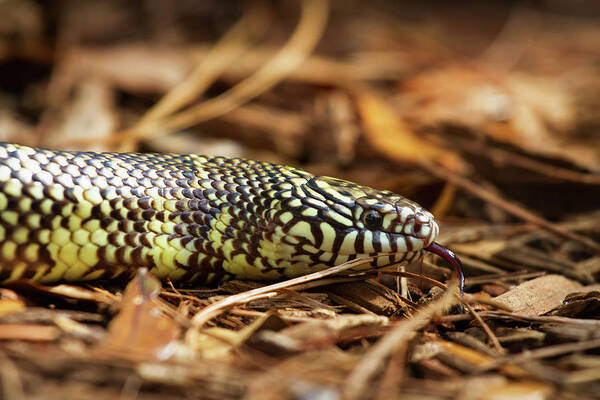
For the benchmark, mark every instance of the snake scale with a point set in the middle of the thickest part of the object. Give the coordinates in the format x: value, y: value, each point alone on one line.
x: 75, y: 216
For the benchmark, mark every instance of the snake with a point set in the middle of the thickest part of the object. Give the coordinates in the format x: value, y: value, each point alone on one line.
x: 72, y: 216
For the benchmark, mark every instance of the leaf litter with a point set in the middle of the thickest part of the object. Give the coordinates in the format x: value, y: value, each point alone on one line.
x: 489, y: 118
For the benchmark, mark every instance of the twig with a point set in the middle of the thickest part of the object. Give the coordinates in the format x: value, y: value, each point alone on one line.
x: 472, y: 299
x: 511, y: 208
x: 399, y: 298
x: 349, y: 304
x: 218, y: 307
x: 491, y: 278
x: 501, y: 156
x: 544, y: 352
x: 217, y: 60
x: 257, y: 314
x: 308, y: 32
x: 487, y: 329
x: 362, y: 374
x: 412, y: 275
x: 524, y: 317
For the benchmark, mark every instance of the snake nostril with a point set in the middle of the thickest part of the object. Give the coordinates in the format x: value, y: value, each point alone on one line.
x: 417, y: 228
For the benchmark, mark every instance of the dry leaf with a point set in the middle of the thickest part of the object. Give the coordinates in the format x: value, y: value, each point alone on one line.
x: 580, y: 304
x: 534, y: 113
x: 473, y: 357
x: 216, y: 343
x: 538, y: 296
x: 325, y: 332
x: 141, y: 328
x: 389, y: 134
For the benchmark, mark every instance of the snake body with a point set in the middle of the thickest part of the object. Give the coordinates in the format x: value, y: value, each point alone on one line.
x: 74, y: 216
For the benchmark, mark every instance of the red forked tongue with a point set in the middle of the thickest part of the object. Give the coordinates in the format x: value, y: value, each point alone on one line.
x: 452, y: 259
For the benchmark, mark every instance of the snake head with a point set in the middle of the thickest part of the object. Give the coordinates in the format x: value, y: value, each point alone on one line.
x: 330, y: 221
x: 382, y: 220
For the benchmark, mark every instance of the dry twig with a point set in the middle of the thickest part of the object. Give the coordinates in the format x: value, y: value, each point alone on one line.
x: 356, y: 383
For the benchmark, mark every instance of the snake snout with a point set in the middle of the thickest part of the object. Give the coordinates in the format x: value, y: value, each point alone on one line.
x: 425, y: 227
x: 416, y: 222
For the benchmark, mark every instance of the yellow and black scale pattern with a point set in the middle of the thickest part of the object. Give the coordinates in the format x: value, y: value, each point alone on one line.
x: 72, y: 216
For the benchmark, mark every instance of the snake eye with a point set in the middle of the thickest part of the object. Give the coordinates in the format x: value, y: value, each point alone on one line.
x: 372, y: 219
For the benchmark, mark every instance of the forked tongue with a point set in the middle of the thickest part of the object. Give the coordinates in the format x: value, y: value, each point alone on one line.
x: 451, y: 259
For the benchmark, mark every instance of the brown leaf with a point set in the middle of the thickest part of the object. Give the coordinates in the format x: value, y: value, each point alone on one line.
x: 473, y: 357
x: 324, y: 332
x: 390, y: 135
x: 534, y: 113
x: 538, y: 296
x: 141, y: 328
x: 216, y: 343
x: 580, y: 304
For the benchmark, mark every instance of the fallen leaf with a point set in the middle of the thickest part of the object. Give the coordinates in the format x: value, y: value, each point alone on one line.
x: 141, y: 328
x: 216, y: 343
x: 580, y: 304
x: 473, y: 357
x: 389, y: 134
x: 535, y: 113
x: 343, y: 327
x: 539, y: 295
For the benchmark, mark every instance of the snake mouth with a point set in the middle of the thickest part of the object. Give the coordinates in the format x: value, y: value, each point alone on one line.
x: 451, y: 259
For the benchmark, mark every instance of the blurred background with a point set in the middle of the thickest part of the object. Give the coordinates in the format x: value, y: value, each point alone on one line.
x: 488, y: 113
